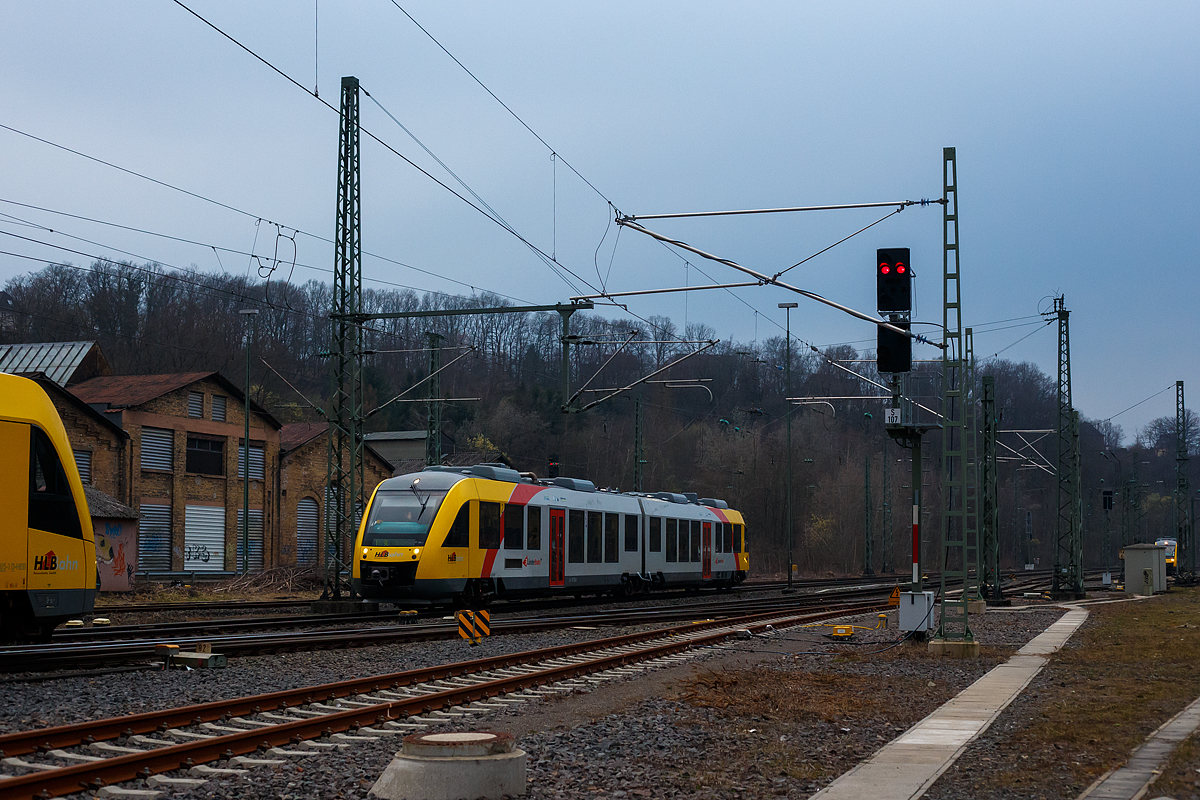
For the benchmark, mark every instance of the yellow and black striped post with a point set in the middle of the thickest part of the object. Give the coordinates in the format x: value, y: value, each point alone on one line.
x: 466, y: 625
x: 483, y: 625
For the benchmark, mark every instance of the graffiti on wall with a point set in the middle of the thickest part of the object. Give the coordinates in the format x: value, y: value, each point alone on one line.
x: 116, y: 554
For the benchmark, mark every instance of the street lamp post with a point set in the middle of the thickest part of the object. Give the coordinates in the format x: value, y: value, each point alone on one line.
x: 250, y: 314
x: 788, y: 425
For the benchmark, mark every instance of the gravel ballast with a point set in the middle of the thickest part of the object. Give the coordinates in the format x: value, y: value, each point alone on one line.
x: 775, y: 716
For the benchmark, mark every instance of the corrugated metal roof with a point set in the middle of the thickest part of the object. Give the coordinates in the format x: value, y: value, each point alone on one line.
x: 393, y: 436
x: 56, y: 360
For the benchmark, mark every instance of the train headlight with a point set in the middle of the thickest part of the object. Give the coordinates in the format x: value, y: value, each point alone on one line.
x: 365, y: 551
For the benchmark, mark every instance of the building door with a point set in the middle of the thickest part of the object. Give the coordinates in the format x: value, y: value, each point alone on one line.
x: 706, y: 550
x: 558, y: 540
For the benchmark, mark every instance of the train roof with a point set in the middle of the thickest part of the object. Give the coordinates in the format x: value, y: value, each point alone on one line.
x: 442, y: 478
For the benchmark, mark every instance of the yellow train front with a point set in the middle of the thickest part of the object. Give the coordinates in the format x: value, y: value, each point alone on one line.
x: 465, y: 535
x: 1172, y: 548
x: 47, y: 547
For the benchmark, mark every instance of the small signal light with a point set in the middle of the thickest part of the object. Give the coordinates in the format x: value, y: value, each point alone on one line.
x: 885, y: 268
x: 900, y: 269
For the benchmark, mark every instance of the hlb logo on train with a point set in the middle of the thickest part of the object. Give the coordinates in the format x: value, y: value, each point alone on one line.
x: 52, y: 563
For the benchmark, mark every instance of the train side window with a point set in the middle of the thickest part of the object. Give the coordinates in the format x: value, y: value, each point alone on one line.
x: 575, y: 537
x: 737, y: 539
x: 655, y: 535
x: 718, y: 538
x: 595, y: 537
x: 612, y: 538
x: 489, y: 526
x: 696, y: 540
x: 631, y: 532
x: 514, y: 527
x: 728, y: 538
x: 51, y: 505
x: 533, y: 528
x: 684, y: 543
x: 460, y: 530
x: 672, y: 541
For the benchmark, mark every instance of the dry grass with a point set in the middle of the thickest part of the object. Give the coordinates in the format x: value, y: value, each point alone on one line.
x: 1128, y: 670
x: 283, y: 583
x: 1181, y: 775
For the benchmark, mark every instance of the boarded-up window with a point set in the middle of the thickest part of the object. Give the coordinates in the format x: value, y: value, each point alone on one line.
x: 158, y: 449
x: 154, y: 538
x: 257, y: 461
x: 218, y: 408
x: 195, y: 405
x: 255, y: 542
x: 83, y: 462
x: 204, y: 539
x: 308, y: 518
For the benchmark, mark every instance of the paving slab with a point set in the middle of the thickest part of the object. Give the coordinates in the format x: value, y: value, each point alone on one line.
x: 906, y: 767
x: 1131, y: 781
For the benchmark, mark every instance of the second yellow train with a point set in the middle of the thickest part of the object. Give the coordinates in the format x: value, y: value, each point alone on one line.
x: 466, y: 535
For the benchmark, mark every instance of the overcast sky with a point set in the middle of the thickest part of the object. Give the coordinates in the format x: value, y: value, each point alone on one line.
x: 1076, y: 128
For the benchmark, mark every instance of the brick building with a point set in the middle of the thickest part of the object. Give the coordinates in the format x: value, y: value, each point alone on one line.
x: 304, y: 463
x: 185, y: 468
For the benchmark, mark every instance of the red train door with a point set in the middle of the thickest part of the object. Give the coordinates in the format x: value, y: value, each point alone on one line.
x: 557, y: 545
x: 706, y: 550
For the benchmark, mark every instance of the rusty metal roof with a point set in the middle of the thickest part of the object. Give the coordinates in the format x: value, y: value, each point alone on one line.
x: 58, y: 361
x: 295, y: 434
x: 123, y: 391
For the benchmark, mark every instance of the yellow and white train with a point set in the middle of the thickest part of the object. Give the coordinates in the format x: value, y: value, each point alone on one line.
x: 450, y: 534
x: 47, y: 547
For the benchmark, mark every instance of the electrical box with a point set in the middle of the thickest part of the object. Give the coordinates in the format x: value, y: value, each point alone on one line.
x: 916, y: 612
x: 1143, y: 558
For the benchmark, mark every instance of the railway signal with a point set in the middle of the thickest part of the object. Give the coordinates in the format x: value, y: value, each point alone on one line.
x: 893, y: 286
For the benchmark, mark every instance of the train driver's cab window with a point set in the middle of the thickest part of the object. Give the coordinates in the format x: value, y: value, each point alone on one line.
x: 460, y: 531
x: 514, y: 527
x: 51, y: 506
x: 401, y: 519
x: 533, y: 528
x: 489, y: 526
x: 737, y: 539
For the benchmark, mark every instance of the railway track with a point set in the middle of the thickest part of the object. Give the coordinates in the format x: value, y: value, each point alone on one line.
x: 283, y: 725
x: 65, y: 655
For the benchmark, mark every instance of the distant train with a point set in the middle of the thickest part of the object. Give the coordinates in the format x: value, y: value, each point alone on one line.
x: 1172, y: 547
x: 47, y: 547
x: 465, y: 535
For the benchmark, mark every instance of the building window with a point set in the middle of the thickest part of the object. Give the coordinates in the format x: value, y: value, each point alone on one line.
x: 205, y: 456
x: 218, y: 408
x: 195, y: 405
x: 83, y: 462
x: 158, y: 449
x: 257, y: 462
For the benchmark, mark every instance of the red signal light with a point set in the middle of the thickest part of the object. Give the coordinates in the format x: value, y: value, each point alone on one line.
x: 899, y: 269
x: 885, y: 269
